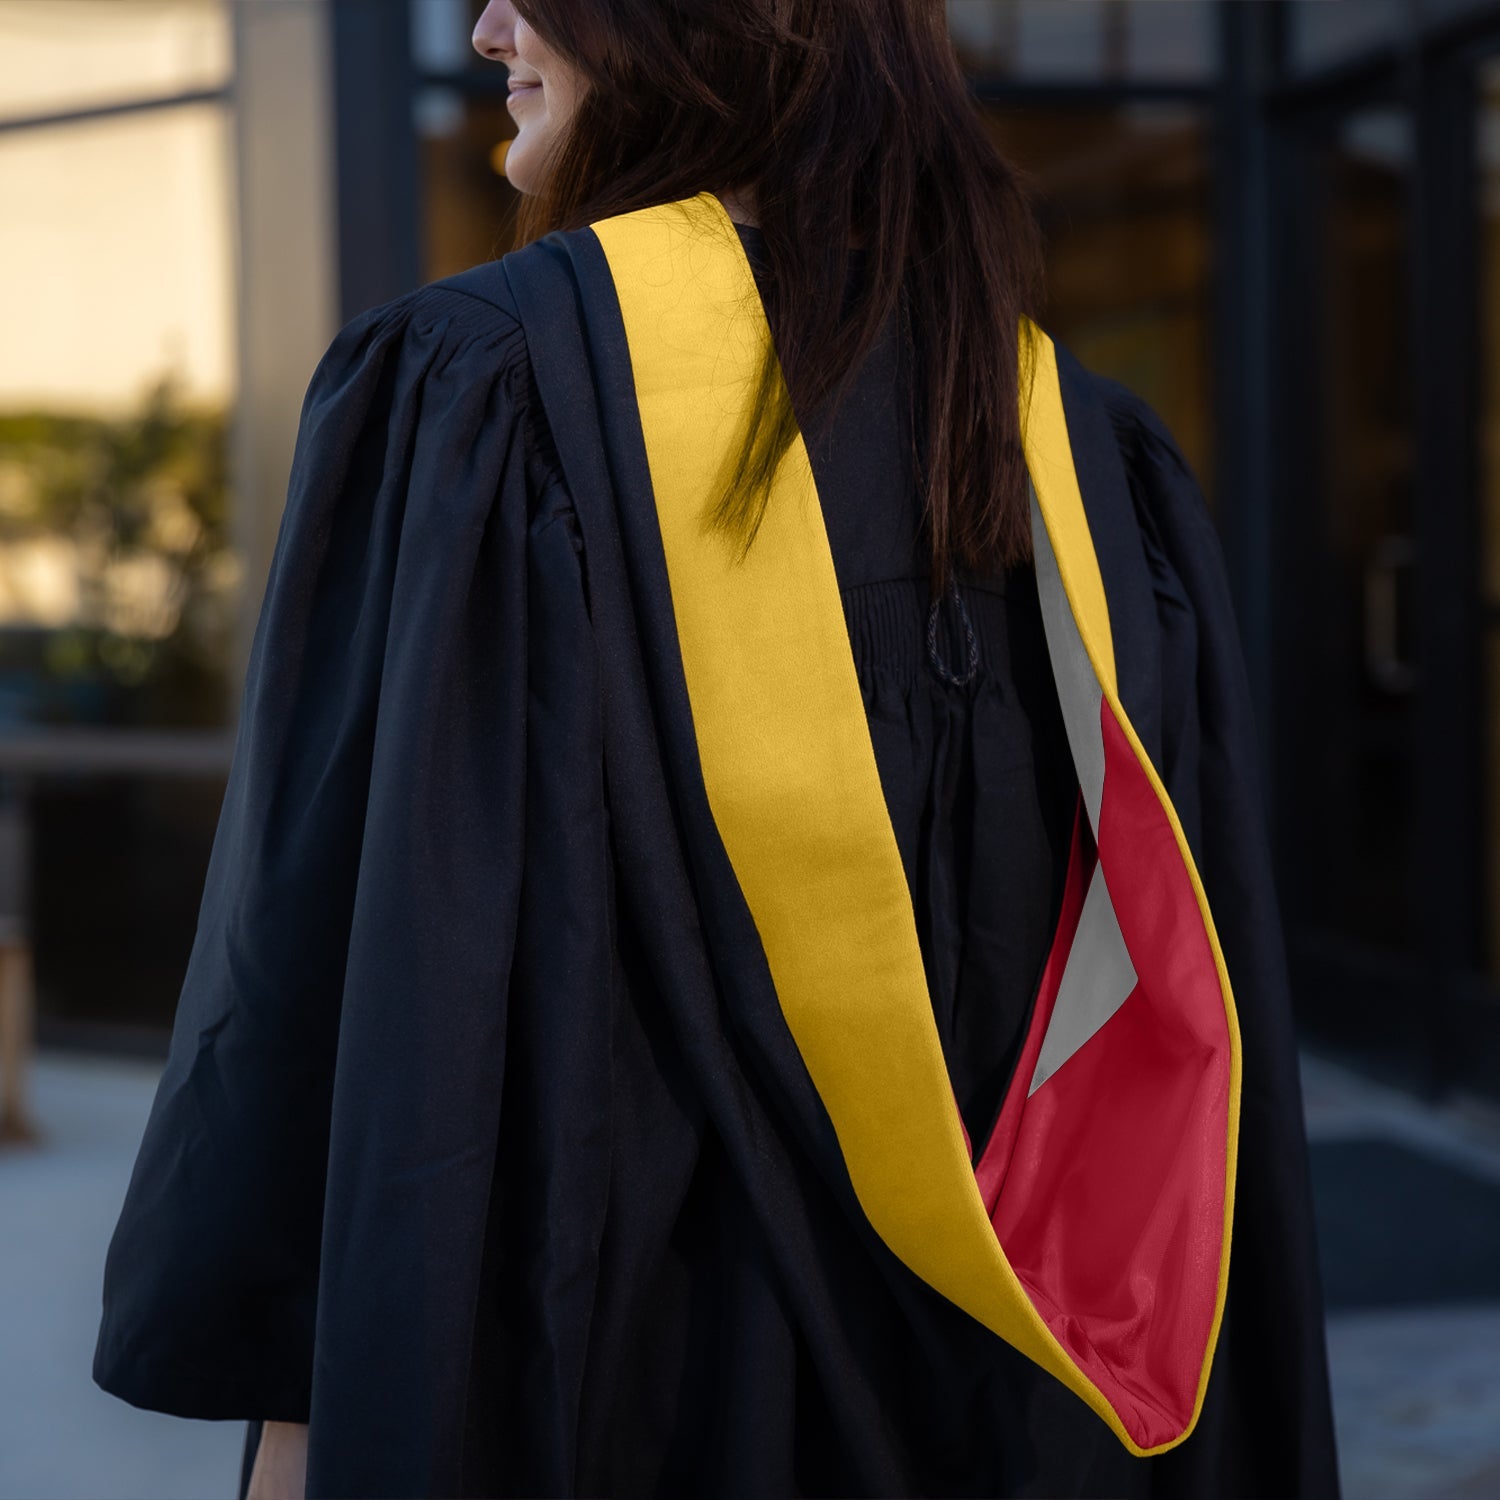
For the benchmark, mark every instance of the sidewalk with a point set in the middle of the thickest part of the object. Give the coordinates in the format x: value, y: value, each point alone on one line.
x: 1416, y: 1375
x: 61, y: 1437
x: 1416, y: 1384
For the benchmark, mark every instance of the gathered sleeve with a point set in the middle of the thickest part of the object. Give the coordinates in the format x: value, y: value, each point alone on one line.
x: 333, y: 1079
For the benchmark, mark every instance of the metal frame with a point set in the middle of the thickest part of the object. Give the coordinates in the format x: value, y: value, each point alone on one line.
x: 1244, y: 359
x: 1450, y: 851
x: 1439, y: 1017
x: 136, y: 106
x: 379, y: 187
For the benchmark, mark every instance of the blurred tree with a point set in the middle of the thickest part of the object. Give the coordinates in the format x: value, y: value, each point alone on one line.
x: 118, y: 581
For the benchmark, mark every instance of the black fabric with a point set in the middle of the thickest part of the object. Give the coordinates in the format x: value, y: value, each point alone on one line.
x: 977, y: 774
x: 482, y: 1144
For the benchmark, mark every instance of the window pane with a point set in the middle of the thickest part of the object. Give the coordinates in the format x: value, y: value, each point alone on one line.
x: 1322, y: 33
x: 117, y: 578
x: 469, y: 204
x: 984, y: 32
x: 440, y: 32
x: 1084, y: 39
x: 1435, y: 11
x: 1165, y: 41
x: 1358, y: 695
x: 1172, y: 40
x: 1124, y: 203
x: 59, y: 55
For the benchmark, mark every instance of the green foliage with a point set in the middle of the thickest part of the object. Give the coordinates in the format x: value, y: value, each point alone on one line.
x: 126, y: 524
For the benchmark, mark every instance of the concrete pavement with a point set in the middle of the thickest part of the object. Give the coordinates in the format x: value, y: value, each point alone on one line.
x: 1417, y: 1389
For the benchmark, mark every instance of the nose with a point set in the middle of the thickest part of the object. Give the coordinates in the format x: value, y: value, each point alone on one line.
x: 495, y: 31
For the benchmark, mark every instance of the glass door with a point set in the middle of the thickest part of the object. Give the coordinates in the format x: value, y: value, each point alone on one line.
x: 1479, y: 986
x: 1350, y: 685
x: 1388, y: 524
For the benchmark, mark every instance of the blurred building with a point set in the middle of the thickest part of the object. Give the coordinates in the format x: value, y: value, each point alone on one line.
x: 1279, y: 222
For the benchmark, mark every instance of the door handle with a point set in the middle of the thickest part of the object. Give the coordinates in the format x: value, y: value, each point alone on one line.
x: 1388, y: 669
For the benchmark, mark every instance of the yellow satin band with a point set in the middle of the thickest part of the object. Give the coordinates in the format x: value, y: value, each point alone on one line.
x: 788, y: 764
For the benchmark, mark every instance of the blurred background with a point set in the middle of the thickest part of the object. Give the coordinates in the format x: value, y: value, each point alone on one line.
x: 1278, y: 220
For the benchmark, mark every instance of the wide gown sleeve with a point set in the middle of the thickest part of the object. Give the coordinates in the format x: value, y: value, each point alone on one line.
x: 1266, y: 1427
x: 335, y: 1064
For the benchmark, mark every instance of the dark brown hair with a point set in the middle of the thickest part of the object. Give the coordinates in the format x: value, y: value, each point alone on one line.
x: 839, y: 119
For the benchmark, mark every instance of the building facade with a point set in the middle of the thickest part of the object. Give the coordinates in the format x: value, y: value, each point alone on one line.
x: 1279, y: 222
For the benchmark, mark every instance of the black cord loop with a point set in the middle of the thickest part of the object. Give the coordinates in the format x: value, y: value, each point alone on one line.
x: 933, y: 657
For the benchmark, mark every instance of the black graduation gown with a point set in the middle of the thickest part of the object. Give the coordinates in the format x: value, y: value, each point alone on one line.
x: 482, y: 1143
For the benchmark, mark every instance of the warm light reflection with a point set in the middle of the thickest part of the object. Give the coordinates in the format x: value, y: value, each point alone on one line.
x: 59, y: 55
x: 114, y: 538
x: 40, y: 581
x: 115, y: 260
x: 1124, y: 199
x: 118, y: 577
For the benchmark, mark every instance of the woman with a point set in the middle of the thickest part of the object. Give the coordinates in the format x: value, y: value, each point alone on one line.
x: 658, y: 1022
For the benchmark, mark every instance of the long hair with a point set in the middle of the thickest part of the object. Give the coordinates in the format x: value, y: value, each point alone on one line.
x: 849, y: 121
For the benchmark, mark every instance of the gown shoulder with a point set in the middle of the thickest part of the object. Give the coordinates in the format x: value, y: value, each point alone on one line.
x: 1201, y: 687
x: 1168, y: 497
x: 425, y: 591
x: 459, y: 335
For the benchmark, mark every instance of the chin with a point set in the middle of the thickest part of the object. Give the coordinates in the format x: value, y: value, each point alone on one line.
x: 520, y: 179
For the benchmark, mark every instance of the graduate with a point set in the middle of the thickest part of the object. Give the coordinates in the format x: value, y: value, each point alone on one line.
x: 739, y: 956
